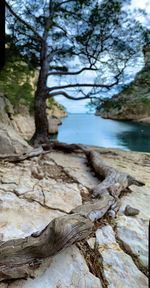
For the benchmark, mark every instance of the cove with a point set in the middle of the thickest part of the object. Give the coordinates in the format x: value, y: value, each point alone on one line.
x: 94, y: 130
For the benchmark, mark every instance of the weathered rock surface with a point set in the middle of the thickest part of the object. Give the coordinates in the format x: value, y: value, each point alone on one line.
x: 119, y: 269
x: 68, y: 269
x: 76, y: 167
x: 130, y: 211
x: 34, y: 192
x: 6, y: 110
x: 24, y: 125
x: 10, y: 141
x: 133, y: 234
x: 53, y: 125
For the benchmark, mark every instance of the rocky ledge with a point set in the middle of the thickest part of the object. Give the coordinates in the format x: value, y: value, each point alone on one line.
x: 34, y: 192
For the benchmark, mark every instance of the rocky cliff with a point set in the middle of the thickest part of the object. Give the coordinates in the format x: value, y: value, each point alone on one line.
x: 133, y: 103
x: 14, y: 128
x: 10, y: 141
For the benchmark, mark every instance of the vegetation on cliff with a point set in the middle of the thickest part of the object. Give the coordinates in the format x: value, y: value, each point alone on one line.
x: 133, y: 103
x: 18, y: 81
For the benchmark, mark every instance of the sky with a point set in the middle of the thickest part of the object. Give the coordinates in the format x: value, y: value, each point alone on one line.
x: 73, y: 106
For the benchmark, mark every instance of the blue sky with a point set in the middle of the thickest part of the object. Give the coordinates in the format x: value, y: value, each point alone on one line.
x: 80, y: 106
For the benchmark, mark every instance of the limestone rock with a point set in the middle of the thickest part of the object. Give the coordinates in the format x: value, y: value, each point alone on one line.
x: 28, y: 203
x: 75, y: 166
x: 53, y: 125
x: 133, y: 233
x: 91, y: 242
x: 67, y: 269
x: 20, y: 218
x: 130, y: 211
x: 10, y: 141
x: 64, y: 196
x: 6, y: 110
x: 24, y: 125
x: 139, y: 199
x: 118, y: 268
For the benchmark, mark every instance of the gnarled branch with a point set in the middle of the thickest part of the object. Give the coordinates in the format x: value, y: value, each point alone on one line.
x: 63, y: 73
x: 65, y: 94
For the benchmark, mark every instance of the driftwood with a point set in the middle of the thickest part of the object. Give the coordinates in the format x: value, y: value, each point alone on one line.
x: 21, y: 157
x: 20, y: 257
x: 114, y: 181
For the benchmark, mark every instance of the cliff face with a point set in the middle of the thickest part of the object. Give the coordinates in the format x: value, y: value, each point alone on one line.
x: 133, y: 103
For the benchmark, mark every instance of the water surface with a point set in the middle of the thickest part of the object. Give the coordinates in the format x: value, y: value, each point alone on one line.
x: 94, y: 130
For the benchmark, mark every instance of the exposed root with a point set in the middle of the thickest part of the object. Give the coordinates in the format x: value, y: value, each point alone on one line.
x: 19, y: 257
x: 94, y: 261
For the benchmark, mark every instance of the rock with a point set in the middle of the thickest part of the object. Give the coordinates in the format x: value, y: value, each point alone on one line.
x: 119, y: 269
x: 75, y: 167
x: 65, y: 196
x: 133, y: 233
x: 6, y: 110
x: 20, y: 218
x: 140, y: 199
x: 67, y: 269
x: 130, y: 211
x: 29, y: 202
x: 23, y: 122
x: 36, y: 172
x: 91, y: 242
x: 10, y: 141
x: 53, y: 125
x: 3, y: 285
x: 24, y: 125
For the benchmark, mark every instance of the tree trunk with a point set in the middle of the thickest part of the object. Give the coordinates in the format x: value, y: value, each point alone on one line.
x: 41, y: 123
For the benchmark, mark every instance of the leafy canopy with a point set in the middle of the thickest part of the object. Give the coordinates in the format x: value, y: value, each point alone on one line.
x: 100, y: 36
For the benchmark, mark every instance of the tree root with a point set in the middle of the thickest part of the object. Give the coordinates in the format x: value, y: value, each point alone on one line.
x: 20, y: 257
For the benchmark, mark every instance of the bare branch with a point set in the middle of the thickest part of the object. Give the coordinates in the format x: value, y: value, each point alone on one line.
x: 107, y: 86
x: 65, y: 94
x: 22, y: 21
x: 60, y: 73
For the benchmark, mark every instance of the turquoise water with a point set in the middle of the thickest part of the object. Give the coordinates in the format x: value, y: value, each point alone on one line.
x: 94, y: 130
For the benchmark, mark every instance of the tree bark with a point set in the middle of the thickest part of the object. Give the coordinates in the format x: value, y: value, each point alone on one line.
x: 20, y: 257
x: 41, y: 122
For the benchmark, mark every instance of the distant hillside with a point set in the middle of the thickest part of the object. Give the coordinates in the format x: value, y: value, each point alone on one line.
x: 133, y: 103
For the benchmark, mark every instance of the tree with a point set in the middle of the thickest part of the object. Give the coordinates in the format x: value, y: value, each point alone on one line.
x: 68, y: 40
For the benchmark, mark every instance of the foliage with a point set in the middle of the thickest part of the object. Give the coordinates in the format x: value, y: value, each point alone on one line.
x: 68, y: 38
x: 51, y: 103
x: 86, y: 31
x: 15, y: 78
